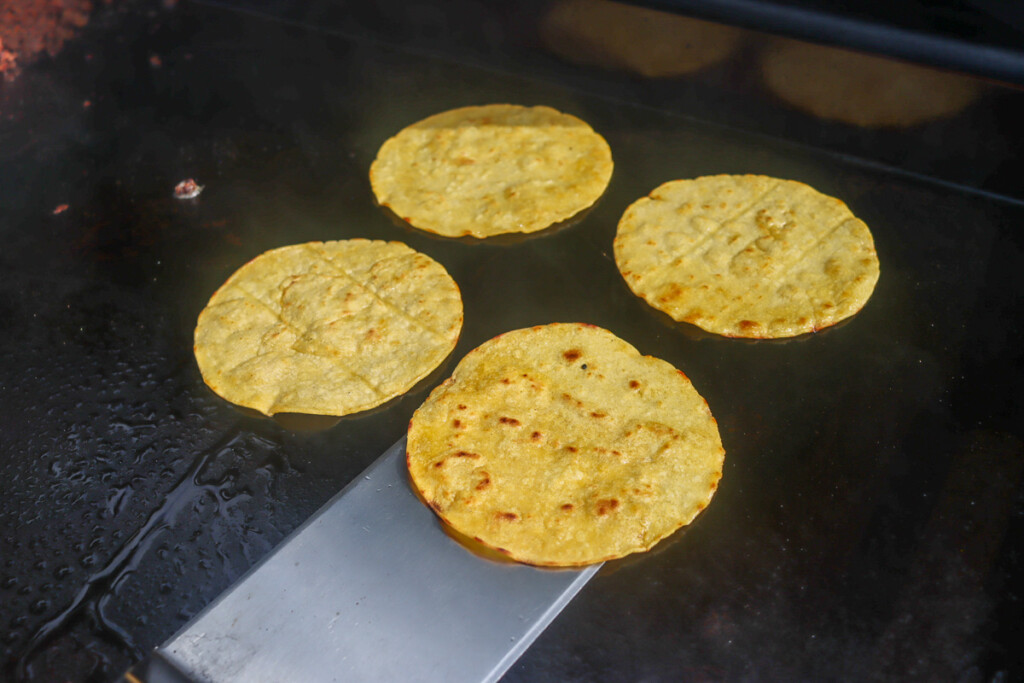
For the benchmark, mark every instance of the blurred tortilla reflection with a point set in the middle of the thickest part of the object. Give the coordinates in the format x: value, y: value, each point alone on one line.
x: 637, y: 40
x: 862, y: 90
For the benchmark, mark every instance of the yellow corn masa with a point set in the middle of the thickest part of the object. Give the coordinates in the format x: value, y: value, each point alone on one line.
x: 747, y: 256
x: 489, y: 170
x: 562, y: 445
x: 327, y: 328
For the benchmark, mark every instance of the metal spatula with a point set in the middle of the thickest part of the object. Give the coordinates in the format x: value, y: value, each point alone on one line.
x: 369, y: 589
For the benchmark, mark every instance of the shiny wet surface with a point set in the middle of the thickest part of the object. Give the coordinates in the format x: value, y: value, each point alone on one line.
x: 869, y: 519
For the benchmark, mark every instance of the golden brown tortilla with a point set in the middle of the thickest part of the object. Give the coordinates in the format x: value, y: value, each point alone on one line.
x: 490, y: 170
x: 327, y: 328
x: 747, y: 256
x: 562, y: 445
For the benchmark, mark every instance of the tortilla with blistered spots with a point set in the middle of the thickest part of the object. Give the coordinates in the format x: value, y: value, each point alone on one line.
x: 562, y: 445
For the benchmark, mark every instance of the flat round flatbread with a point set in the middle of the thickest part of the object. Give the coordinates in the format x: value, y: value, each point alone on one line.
x: 862, y: 90
x: 561, y: 445
x: 639, y: 40
x: 484, y: 171
x: 327, y: 328
x: 747, y: 256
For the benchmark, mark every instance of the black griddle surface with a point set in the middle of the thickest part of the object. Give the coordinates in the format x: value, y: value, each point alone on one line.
x: 869, y: 519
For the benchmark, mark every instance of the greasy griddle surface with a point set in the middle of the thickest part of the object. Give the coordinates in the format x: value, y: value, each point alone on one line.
x: 872, y: 470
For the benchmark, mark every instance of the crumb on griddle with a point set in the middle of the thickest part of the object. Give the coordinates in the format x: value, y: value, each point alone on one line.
x: 187, y: 189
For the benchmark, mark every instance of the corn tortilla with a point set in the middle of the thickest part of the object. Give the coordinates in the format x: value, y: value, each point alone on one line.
x: 562, y: 445
x: 490, y: 170
x: 327, y: 328
x: 747, y: 256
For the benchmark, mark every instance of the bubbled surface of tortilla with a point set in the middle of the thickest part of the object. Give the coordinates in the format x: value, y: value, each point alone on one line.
x: 327, y: 328
x: 562, y: 445
x: 490, y: 170
x: 747, y: 256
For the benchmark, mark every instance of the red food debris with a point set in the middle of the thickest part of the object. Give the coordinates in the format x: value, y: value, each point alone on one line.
x: 155, y: 61
x: 8, y: 61
x: 187, y: 189
x: 29, y: 28
x: 61, y: 208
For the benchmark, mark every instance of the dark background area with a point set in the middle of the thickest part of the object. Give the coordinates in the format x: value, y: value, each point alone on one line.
x: 978, y: 147
x: 869, y: 519
x: 983, y: 37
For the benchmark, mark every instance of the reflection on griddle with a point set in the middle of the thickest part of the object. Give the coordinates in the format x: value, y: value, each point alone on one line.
x: 862, y: 90
x: 644, y: 42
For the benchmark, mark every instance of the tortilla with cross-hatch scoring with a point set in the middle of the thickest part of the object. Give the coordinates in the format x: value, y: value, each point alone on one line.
x: 327, y: 328
x: 490, y: 170
x: 561, y: 445
x: 747, y: 256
